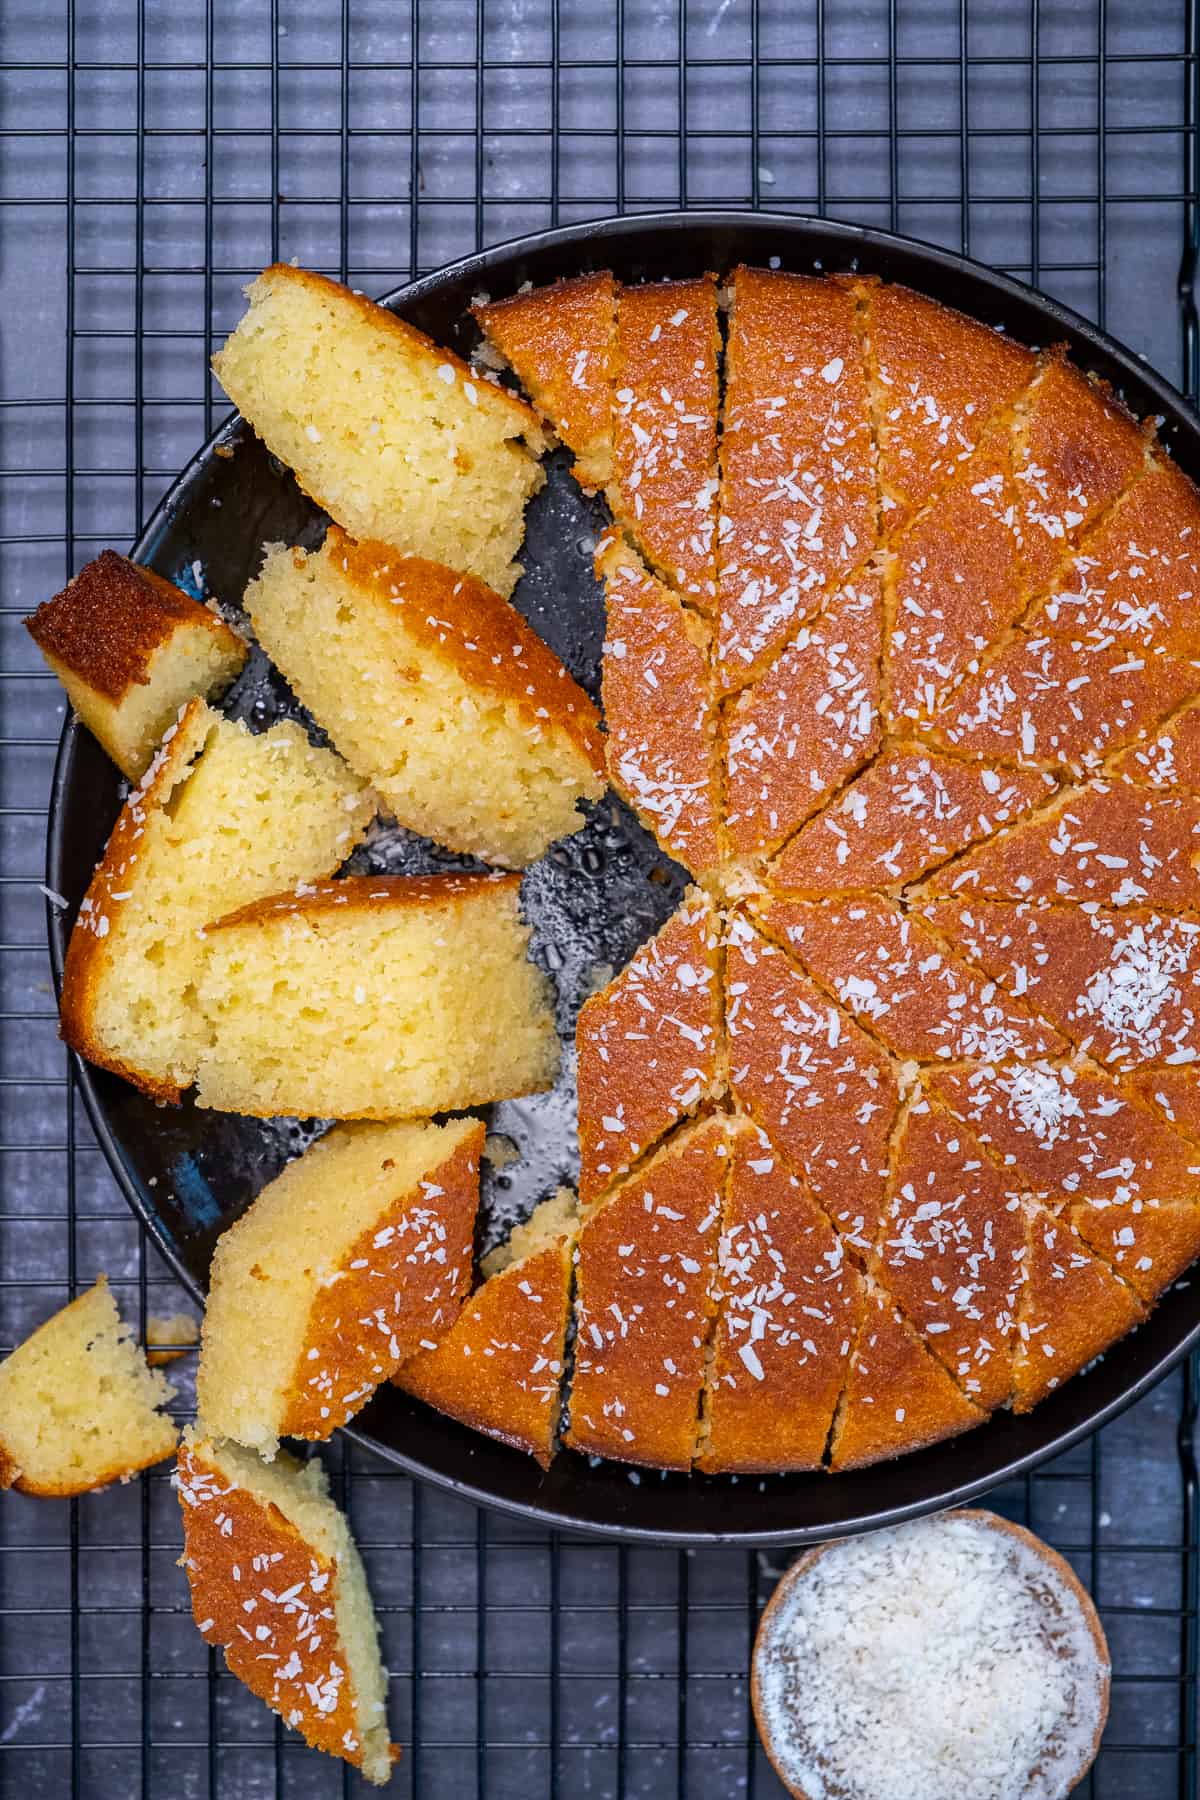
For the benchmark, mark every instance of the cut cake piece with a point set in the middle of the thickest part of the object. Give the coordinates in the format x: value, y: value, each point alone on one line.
x: 649, y: 1045
x: 910, y: 810
x: 500, y: 1367
x: 375, y: 997
x: 806, y: 725
x: 277, y: 1582
x: 790, y: 1302
x: 78, y: 1405
x: 558, y: 342
x: 1075, y: 451
x: 897, y: 1396
x: 645, y: 1271
x: 397, y: 439
x: 1170, y: 759
x: 1072, y: 1308
x: 1176, y: 1094
x: 823, y: 1091
x: 798, y: 496
x: 897, y: 977
x: 659, y: 710
x: 131, y: 649
x: 665, y: 404
x: 436, y: 691
x: 1109, y: 843
x: 222, y: 818
x: 940, y: 379
x: 952, y: 1249
x: 355, y: 1257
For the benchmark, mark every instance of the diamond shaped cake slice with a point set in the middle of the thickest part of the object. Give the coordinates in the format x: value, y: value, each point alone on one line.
x: 1072, y: 1308
x: 1168, y: 759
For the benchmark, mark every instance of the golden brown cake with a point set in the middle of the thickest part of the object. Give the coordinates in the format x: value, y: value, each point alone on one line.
x: 645, y: 1276
x: 798, y: 495
x: 500, y: 1367
x: 1170, y: 758
x: 354, y: 1258
x: 1176, y: 1093
x: 1072, y: 1308
x: 277, y: 1582
x: 558, y: 342
x: 659, y: 711
x: 790, y: 1303
x: 649, y: 1045
x: 131, y: 649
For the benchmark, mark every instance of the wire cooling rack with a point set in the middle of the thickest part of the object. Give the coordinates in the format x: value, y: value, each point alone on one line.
x: 156, y: 155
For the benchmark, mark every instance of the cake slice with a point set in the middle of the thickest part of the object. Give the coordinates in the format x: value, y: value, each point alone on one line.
x: 804, y: 727
x: 1072, y: 1308
x: 912, y: 809
x: 436, y: 691
x: 897, y: 977
x: 798, y: 496
x: 78, y: 1406
x: 131, y: 649
x: 500, y: 1367
x: 350, y: 1261
x: 221, y: 818
x: 1075, y: 450
x: 790, y: 1302
x: 951, y: 1251
x: 1109, y: 843
x: 395, y: 437
x: 558, y: 341
x: 277, y: 1582
x: 1148, y: 1243
x: 823, y: 1091
x: 939, y: 380
x: 1175, y: 1093
x: 649, y: 1045
x: 955, y: 582
x: 897, y: 1396
x: 659, y: 709
x: 665, y: 405
x: 1122, y: 983
x: 1170, y: 758
x: 645, y: 1271
x: 374, y: 997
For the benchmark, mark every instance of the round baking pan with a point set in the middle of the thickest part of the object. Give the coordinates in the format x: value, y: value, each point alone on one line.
x: 591, y: 901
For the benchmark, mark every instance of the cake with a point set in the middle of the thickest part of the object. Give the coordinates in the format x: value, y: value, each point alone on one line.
x: 500, y: 1367
x: 438, y: 462
x: 277, y: 1583
x: 353, y: 1259
x: 436, y: 691
x: 78, y: 1406
x: 649, y: 1046
x: 131, y: 649
x: 952, y: 1656
x: 374, y: 997
x: 221, y: 818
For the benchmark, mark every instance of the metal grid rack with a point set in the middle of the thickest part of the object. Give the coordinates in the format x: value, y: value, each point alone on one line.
x: 155, y: 155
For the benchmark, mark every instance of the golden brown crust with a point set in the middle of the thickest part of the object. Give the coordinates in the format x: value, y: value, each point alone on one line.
x: 798, y: 506
x: 951, y: 1251
x: 1148, y: 1243
x: 648, y: 1046
x: 645, y: 1267
x: 911, y: 809
x: 1175, y: 1093
x: 1169, y: 759
x: 659, y: 710
x: 100, y: 912
x: 1072, y: 1308
x: 897, y: 1396
x: 267, y: 1597
x: 397, y: 1290
x: 665, y: 404
x: 499, y: 1369
x: 822, y: 1090
x: 484, y: 639
x: 805, y: 726
x: 940, y: 379
x: 789, y: 1304
x: 107, y: 624
x: 366, y: 894
x: 890, y: 971
x: 558, y: 342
